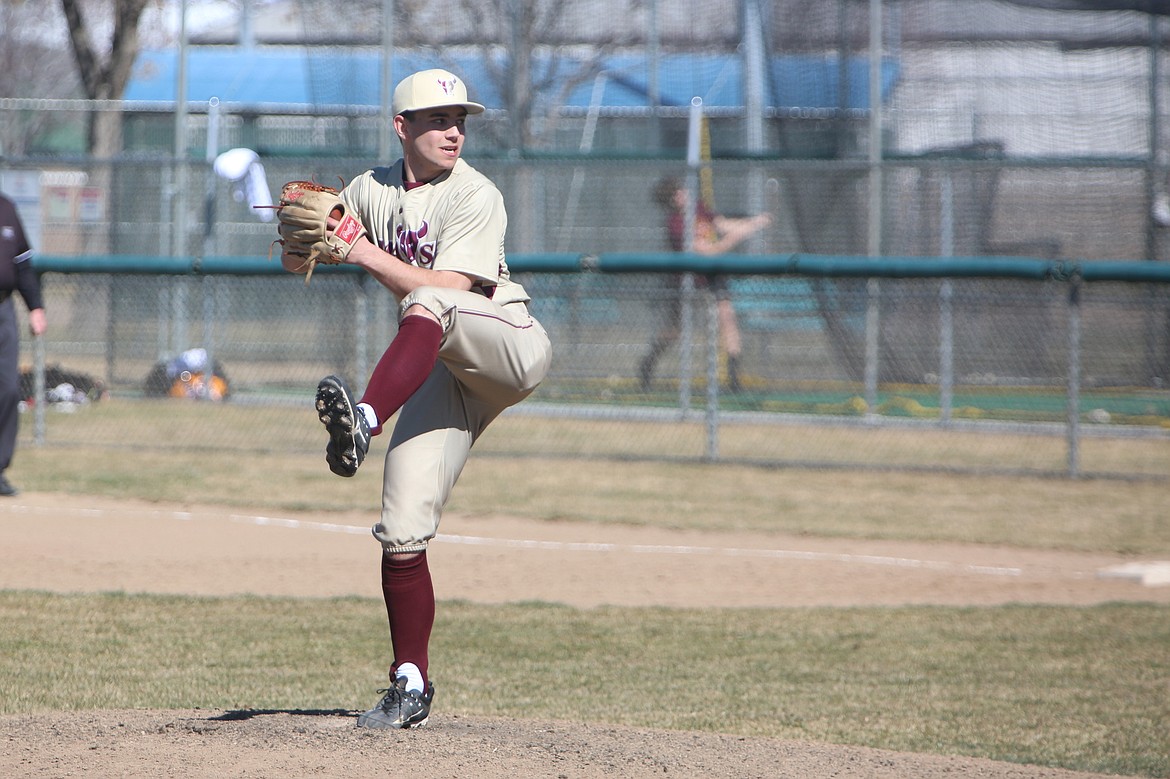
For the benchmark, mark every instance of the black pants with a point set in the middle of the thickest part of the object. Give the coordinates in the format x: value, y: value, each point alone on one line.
x: 9, y: 381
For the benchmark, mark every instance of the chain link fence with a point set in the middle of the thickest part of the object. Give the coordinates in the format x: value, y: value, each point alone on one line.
x: 804, y: 396
x: 1005, y: 131
x: 974, y: 372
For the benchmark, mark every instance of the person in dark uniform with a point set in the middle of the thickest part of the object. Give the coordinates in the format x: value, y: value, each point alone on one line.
x: 16, y: 275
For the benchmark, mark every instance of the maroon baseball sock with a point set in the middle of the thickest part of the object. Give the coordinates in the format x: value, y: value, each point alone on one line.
x: 403, y: 367
x: 410, y: 605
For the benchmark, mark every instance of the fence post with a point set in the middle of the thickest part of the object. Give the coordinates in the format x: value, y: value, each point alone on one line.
x: 694, y: 162
x: 946, y: 294
x: 361, y: 328
x: 207, y: 287
x: 874, y: 225
x: 686, y: 342
x: 1074, y: 377
x: 712, y: 413
x: 873, y: 325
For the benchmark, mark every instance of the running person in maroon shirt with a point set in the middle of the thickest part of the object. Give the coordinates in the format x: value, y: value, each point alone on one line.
x: 714, y: 234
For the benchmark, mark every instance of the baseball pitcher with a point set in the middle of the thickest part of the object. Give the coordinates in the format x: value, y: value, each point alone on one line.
x: 430, y: 229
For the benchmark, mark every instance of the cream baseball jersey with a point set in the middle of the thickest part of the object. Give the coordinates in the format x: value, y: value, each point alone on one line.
x: 456, y: 223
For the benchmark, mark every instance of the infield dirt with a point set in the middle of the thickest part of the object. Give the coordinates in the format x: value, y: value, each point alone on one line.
x: 62, y: 543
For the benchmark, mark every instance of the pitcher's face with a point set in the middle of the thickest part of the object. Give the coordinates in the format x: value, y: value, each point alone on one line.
x: 432, y: 140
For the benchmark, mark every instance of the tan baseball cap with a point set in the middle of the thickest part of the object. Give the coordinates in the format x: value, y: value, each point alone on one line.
x: 432, y: 89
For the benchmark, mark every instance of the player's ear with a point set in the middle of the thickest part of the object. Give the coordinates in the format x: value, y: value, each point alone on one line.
x: 400, y: 123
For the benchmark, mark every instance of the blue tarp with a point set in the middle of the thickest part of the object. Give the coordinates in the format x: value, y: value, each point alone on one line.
x: 302, y: 77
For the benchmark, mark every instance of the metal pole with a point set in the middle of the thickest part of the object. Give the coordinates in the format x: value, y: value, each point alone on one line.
x: 653, y: 45
x: 517, y: 76
x: 178, y: 207
x: 179, y: 196
x: 210, y: 284
x: 712, y: 411
x: 874, y: 233
x: 686, y: 337
x: 247, y: 25
x: 161, y: 343
x: 1153, y: 132
x: 386, y: 94
x: 1074, y: 378
x: 1153, y: 183
x: 754, y: 68
x: 361, y: 323
x: 210, y: 154
x: 946, y: 314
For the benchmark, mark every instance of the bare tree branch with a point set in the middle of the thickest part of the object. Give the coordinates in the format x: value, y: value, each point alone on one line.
x: 104, y: 80
x: 83, y: 54
x: 108, y: 79
x: 124, y: 45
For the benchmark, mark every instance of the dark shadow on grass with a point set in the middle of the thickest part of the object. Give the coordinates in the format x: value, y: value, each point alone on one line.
x: 246, y: 714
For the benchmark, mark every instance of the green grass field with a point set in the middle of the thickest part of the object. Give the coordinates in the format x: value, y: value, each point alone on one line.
x: 1081, y: 688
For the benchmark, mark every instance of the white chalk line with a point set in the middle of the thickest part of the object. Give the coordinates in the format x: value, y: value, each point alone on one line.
x: 717, y: 551
x: 576, y: 546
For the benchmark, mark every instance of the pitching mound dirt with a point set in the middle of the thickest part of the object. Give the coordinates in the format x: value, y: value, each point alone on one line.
x: 78, y: 544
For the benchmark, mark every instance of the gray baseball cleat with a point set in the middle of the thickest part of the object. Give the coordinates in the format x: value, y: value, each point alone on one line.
x: 399, y: 708
x: 349, y: 432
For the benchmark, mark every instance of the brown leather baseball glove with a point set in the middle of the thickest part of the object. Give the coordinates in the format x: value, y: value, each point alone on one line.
x: 303, y: 213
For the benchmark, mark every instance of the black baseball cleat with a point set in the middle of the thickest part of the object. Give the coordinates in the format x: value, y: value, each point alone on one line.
x: 6, y: 488
x: 349, y: 432
x: 399, y: 708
